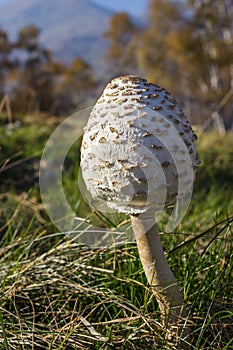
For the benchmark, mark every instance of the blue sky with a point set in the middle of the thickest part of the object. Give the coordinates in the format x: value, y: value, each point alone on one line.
x: 134, y: 7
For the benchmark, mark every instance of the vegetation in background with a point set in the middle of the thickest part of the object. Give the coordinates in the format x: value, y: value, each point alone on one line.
x: 35, y: 82
x: 121, y: 33
x: 187, y: 47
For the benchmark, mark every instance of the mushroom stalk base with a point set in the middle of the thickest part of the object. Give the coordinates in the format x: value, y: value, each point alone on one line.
x: 161, y: 280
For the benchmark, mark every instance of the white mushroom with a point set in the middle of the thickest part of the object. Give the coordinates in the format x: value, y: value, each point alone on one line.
x: 138, y: 155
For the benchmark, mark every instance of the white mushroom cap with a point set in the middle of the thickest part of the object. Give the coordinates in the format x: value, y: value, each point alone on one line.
x: 138, y: 148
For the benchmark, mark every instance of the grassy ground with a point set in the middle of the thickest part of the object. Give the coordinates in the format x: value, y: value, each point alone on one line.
x: 58, y: 294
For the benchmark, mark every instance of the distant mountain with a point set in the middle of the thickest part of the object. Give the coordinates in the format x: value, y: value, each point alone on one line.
x: 69, y: 28
x: 136, y: 8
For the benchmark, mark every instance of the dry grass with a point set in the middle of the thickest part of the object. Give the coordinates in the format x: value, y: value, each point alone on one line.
x: 59, y: 294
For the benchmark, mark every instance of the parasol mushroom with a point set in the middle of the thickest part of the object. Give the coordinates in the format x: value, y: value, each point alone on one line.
x: 138, y: 156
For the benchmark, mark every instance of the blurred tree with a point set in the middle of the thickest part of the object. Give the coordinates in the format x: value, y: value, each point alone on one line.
x: 122, y: 37
x: 6, y: 62
x: 28, y: 38
x: 188, y: 48
x: 211, y: 68
x: 36, y: 83
x: 156, y: 55
x: 76, y: 87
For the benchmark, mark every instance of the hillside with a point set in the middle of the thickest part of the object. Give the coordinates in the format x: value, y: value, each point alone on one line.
x: 69, y: 28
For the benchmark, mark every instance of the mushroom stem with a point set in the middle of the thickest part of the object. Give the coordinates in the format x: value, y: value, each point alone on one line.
x: 161, y: 279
